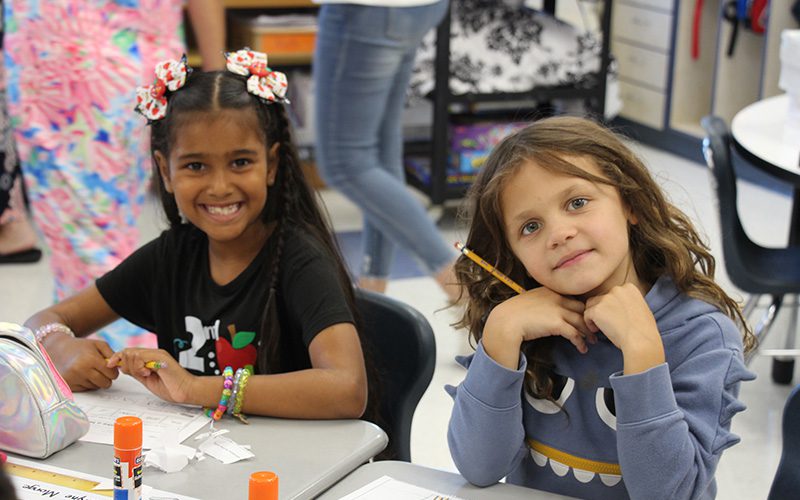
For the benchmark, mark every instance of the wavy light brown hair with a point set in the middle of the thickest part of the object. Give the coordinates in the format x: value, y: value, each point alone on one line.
x: 663, y: 242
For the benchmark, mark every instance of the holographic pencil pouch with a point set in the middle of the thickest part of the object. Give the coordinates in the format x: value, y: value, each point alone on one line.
x: 38, y: 416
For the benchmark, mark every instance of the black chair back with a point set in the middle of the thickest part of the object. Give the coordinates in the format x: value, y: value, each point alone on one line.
x: 754, y: 269
x: 751, y: 267
x: 401, y: 344
x: 787, y: 479
x: 719, y: 158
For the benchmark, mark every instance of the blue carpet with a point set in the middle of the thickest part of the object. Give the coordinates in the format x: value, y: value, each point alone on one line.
x: 404, y: 265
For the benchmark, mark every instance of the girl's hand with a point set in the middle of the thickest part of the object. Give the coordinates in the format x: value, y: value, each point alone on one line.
x: 534, y: 314
x: 625, y: 318
x: 171, y: 382
x: 81, y: 362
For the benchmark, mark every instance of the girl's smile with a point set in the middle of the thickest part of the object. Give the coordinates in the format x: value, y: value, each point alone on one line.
x: 223, y: 213
x: 572, y: 258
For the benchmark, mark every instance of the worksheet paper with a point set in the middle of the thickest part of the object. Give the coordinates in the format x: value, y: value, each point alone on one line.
x: 53, y: 483
x: 163, y: 422
x: 389, y: 488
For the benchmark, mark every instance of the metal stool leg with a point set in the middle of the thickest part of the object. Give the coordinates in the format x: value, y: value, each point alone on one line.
x: 763, y: 327
x: 751, y: 304
x: 783, y: 364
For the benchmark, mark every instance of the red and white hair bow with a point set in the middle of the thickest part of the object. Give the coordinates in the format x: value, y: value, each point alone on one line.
x: 170, y: 76
x: 262, y: 82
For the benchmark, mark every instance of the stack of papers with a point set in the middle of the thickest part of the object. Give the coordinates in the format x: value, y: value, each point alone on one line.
x: 163, y: 422
x: 389, y: 488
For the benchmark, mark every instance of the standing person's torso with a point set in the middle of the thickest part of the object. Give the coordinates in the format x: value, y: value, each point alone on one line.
x: 69, y: 92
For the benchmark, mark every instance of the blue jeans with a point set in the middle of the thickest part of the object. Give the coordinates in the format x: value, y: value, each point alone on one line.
x: 362, y: 66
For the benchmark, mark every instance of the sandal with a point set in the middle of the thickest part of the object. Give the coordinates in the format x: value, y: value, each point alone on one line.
x: 28, y: 256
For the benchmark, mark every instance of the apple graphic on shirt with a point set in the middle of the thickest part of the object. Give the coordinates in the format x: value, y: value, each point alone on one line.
x: 238, y: 353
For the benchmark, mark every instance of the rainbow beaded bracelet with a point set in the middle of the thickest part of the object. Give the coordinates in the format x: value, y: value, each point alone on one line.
x: 227, y: 385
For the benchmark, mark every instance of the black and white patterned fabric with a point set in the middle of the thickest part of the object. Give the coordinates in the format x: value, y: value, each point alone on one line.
x: 497, y: 48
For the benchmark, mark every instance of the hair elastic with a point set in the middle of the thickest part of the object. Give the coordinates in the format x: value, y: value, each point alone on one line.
x: 262, y: 81
x: 170, y: 75
x: 151, y: 102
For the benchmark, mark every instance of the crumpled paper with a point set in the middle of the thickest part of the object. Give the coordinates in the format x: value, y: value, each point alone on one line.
x: 170, y: 457
x: 223, y: 448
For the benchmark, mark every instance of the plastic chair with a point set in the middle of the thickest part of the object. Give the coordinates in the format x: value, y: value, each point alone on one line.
x: 401, y: 344
x: 754, y: 269
x: 787, y: 478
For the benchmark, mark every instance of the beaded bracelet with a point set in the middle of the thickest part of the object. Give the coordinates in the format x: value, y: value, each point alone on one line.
x: 239, y: 401
x: 236, y: 379
x: 227, y: 384
x: 45, y: 330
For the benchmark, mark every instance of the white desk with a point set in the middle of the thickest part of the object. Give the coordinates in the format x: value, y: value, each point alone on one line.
x: 307, y: 455
x: 760, y: 129
x: 446, y: 483
x: 759, y: 135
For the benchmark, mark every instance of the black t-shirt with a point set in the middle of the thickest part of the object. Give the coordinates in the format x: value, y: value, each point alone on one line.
x: 166, y: 288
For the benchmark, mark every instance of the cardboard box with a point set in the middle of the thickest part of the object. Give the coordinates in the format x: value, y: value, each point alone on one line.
x: 281, y: 41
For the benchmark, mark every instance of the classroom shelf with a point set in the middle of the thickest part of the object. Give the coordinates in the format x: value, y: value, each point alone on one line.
x: 592, y: 89
x: 253, y: 8
x: 714, y: 82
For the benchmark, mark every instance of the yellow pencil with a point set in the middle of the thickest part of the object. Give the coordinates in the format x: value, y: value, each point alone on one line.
x: 494, y: 272
x: 152, y: 365
x: 155, y: 365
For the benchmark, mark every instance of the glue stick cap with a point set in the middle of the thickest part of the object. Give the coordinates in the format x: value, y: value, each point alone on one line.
x: 263, y: 486
x: 128, y: 433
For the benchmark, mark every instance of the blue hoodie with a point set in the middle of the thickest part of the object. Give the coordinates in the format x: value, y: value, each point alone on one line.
x: 656, y: 434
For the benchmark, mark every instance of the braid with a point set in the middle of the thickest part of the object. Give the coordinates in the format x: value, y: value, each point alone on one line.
x: 284, y: 213
x: 269, y: 358
x: 293, y: 185
x: 284, y: 131
x: 287, y: 210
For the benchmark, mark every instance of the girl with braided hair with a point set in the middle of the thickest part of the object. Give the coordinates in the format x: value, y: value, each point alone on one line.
x: 247, y: 280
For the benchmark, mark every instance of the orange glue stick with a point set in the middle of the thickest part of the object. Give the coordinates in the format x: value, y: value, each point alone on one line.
x: 263, y: 486
x: 128, y: 458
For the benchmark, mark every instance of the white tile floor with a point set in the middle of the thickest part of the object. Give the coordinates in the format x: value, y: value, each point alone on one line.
x: 745, y: 471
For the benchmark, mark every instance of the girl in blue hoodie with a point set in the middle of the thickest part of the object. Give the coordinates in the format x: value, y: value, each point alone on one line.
x: 616, y: 373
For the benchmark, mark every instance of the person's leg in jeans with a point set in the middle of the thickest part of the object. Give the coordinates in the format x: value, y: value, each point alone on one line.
x: 391, y: 152
x: 358, y: 68
x: 377, y: 247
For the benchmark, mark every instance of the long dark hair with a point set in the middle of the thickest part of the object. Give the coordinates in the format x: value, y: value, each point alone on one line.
x: 663, y: 242
x: 290, y: 203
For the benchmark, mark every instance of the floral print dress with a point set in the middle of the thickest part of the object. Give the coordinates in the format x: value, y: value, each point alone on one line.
x: 72, y: 68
